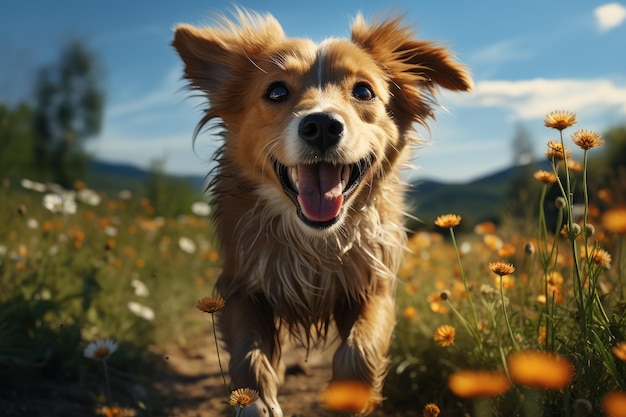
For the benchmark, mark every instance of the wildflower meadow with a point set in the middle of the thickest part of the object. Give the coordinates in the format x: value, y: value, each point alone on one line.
x: 514, y: 317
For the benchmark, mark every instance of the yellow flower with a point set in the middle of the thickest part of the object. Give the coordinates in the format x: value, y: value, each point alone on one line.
x: 501, y: 268
x: 507, y: 250
x: 100, y: 349
x: 614, y: 404
x: 586, y: 139
x: 508, y: 282
x: 557, y: 151
x: 243, y: 397
x: 471, y: 384
x: 619, y: 350
x: 560, y: 119
x: 555, y: 278
x: 574, y: 166
x: 444, y: 335
x: 545, y: 177
x: 599, y: 256
x: 614, y: 220
x: 348, y: 397
x: 409, y: 313
x: 485, y: 228
x: 431, y: 410
x: 538, y: 369
x: 542, y: 335
x: 210, y: 304
x: 448, y: 221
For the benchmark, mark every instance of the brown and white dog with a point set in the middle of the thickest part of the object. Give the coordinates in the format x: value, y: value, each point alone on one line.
x: 308, y: 195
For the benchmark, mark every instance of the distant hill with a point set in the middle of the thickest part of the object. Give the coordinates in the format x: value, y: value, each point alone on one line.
x: 114, y: 177
x: 480, y: 199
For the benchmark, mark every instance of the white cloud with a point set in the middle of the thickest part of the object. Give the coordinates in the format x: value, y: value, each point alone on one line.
x: 527, y: 99
x: 502, y: 51
x: 609, y: 16
x: 164, y: 94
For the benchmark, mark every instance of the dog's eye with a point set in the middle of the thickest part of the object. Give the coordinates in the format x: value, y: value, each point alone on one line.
x: 277, y: 92
x: 363, y: 92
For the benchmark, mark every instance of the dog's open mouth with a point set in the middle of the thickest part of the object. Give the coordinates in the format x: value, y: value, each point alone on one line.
x: 319, y: 190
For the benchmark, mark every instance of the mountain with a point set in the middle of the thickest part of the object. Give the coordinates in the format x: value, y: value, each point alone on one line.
x: 110, y: 176
x: 480, y: 199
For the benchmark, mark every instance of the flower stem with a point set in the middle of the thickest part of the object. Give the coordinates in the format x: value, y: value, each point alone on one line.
x: 219, y: 360
x: 506, y: 317
x: 106, y: 381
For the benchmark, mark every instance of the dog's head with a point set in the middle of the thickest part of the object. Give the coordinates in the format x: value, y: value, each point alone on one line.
x: 315, y: 124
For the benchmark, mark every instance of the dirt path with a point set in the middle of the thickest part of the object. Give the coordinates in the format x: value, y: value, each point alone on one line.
x: 195, y: 381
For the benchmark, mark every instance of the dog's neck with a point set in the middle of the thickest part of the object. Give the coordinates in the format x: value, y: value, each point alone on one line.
x: 303, y: 274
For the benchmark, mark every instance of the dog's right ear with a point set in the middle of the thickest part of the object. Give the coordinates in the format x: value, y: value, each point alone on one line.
x: 204, y: 55
x: 213, y: 56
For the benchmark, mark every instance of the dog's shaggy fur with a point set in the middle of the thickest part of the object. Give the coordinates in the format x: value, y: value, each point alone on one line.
x: 308, y: 195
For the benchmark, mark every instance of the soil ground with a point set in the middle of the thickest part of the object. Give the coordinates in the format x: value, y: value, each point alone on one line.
x: 191, y: 385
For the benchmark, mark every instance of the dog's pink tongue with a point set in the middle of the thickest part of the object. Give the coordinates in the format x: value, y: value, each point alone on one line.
x: 319, y: 191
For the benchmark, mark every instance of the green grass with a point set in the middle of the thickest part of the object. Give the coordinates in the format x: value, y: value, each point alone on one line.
x: 67, y: 280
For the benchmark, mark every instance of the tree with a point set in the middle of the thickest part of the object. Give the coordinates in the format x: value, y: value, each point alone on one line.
x: 523, y: 187
x: 522, y: 146
x: 16, y: 140
x: 68, y: 111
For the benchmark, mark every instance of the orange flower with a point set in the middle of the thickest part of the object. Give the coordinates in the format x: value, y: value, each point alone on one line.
x: 545, y: 177
x: 444, y: 335
x: 493, y: 242
x: 501, y: 268
x: 586, y: 139
x: 574, y: 166
x: 210, y: 304
x: 557, y: 151
x: 409, y: 313
x: 538, y: 369
x: 508, y: 282
x: 471, y: 384
x: 619, y: 350
x: 507, y: 250
x: 614, y: 404
x: 614, y: 220
x: 243, y: 397
x: 448, y: 221
x: 431, y: 410
x: 485, y: 228
x: 348, y: 397
x: 560, y: 119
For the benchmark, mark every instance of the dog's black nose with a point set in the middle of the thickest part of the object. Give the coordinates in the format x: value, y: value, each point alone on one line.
x: 321, y: 130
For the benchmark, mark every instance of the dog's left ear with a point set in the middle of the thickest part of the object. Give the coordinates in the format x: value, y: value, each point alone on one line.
x: 395, y: 45
x: 412, y: 65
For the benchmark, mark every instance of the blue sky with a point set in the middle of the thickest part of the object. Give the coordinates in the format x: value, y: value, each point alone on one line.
x: 527, y: 59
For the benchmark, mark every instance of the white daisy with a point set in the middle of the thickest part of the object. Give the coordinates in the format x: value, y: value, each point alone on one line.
x: 187, y: 245
x: 201, y: 209
x: 141, y: 310
x: 100, y: 349
x: 60, y: 203
x: 141, y: 289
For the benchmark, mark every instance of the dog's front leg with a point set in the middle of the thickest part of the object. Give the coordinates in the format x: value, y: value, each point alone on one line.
x: 248, y: 329
x: 365, y: 332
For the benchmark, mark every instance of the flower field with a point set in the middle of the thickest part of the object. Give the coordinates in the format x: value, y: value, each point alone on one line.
x: 504, y: 319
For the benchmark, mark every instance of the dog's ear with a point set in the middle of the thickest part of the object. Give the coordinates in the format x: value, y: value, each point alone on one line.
x: 413, y: 65
x: 213, y: 55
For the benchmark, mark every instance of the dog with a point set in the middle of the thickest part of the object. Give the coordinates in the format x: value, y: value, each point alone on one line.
x: 309, y: 200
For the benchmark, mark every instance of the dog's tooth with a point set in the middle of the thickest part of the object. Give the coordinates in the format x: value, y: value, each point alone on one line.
x: 293, y: 177
x: 345, y: 175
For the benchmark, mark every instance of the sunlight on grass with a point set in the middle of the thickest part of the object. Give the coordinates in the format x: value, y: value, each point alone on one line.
x: 492, y: 320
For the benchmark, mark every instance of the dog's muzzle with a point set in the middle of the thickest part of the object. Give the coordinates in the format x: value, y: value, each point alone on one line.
x: 319, y: 190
